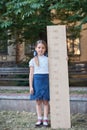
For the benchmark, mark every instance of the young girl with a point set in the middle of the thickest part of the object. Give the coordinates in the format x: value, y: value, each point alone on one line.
x: 39, y: 82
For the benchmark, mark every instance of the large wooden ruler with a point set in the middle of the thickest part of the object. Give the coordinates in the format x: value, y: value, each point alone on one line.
x: 58, y: 75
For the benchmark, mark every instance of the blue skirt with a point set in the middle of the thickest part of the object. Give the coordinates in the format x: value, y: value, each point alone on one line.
x: 41, y: 87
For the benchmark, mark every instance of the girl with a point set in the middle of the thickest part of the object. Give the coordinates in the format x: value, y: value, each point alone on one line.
x: 39, y: 82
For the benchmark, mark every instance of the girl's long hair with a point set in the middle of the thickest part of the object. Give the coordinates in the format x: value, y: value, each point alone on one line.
x: 36, y: 57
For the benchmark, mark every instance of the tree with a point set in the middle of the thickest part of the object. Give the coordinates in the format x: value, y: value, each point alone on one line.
x: 32, y: 16
x: 73, y: 10
x: 27, y: 19
x: 72, y: 13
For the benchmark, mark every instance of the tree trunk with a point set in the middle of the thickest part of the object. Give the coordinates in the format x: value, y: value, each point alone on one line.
x: 19, y: 52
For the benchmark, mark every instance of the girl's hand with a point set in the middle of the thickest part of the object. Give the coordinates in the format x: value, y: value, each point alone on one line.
x: 31, y: 90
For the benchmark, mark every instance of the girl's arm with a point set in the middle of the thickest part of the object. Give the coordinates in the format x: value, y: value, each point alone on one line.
x: 31, y: 79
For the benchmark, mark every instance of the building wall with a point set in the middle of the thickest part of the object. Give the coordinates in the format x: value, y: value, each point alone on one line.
x: 11, y: 52
x: 83, y: 44
x: 11, y: 55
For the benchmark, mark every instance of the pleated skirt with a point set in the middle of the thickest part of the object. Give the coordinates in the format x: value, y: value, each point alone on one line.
x: 41, y: 87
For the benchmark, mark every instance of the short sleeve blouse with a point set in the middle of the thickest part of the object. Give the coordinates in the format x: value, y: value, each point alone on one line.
x: 43, y: 65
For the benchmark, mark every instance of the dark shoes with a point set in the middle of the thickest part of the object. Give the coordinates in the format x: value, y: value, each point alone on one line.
x: 39, y: 123
x: 44, y: 123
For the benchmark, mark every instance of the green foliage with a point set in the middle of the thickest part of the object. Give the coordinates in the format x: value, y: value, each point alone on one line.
x: 30, y: 17
x: 74, y: 10
x: 6, y: 23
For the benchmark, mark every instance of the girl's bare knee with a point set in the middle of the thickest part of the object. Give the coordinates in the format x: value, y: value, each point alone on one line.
x: 39, y: 102
x: 45, y: 102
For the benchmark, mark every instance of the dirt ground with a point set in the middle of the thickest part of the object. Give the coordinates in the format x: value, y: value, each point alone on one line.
x: 11, y: 120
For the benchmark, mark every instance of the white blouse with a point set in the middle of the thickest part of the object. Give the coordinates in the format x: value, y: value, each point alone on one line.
x: 43, y: 65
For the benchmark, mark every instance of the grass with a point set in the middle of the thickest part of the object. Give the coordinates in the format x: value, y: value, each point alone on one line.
x: 15, y: 120
x: 14, y: 91
x: 78, y: 92
x: 27, y: 91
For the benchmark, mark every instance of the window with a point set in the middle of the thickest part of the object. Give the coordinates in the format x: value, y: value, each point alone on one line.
x: 73, y: 46
x: 29, y: 48
x: 3, y: 42
x: 3, y: 46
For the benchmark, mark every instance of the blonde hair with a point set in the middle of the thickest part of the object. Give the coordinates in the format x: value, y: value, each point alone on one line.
x: 36, y: 57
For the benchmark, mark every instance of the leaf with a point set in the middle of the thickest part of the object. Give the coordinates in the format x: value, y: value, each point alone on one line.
x: 17, y: 11
x: 6, y: 24
x: 84, y: 20
x: 36, y: 5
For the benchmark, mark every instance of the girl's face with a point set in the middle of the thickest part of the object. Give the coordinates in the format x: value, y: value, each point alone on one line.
x: 40, y: 49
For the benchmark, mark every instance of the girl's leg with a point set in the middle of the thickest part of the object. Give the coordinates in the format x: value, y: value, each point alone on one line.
x: 39, y: 112
x: 46, y: 111
x: 39, y: 108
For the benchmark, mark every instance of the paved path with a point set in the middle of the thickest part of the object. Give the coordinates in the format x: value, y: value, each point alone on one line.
x: 75, y: 92
x: 20, y: 101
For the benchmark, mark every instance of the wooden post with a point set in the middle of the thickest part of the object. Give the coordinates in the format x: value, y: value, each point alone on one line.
x: 58, y: 74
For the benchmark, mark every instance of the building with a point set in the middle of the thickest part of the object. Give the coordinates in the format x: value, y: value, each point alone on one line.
x: 17, y: 53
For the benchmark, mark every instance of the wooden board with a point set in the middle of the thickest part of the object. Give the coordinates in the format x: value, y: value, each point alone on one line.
x: 58, y: 74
